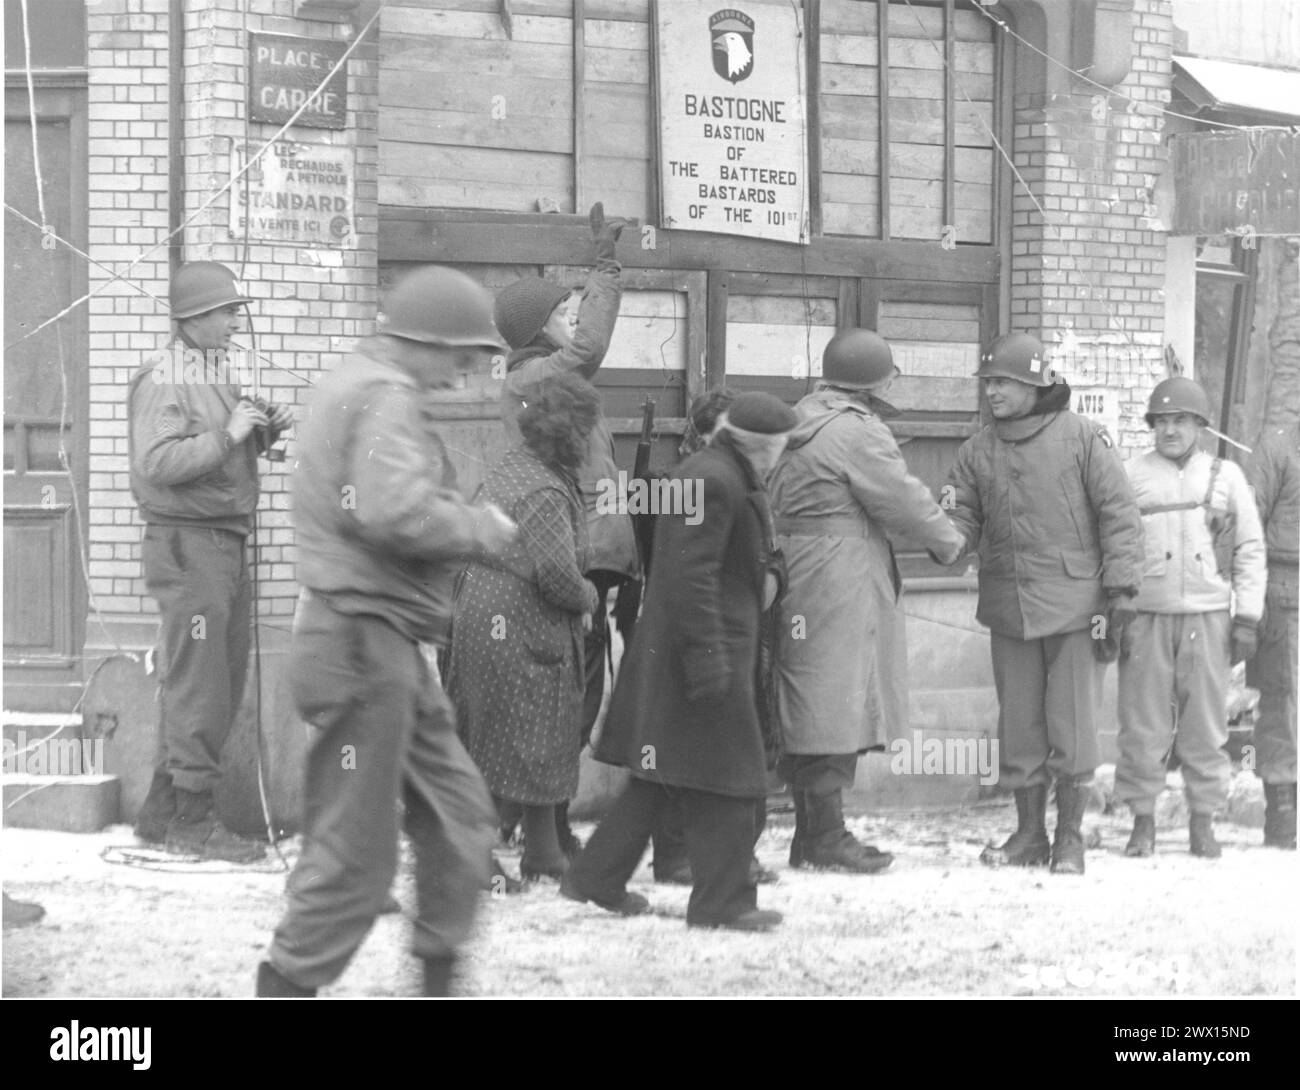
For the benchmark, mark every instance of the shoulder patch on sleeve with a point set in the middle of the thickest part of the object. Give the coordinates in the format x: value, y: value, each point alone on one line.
x: 1104, y: 436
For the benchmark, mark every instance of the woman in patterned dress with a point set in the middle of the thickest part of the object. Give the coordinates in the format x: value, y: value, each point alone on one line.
x: 516, y: 665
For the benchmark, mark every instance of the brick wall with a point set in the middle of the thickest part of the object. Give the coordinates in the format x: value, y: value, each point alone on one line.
x: 310, y: 303
x: 127, y: 57
x: 1090, y: 280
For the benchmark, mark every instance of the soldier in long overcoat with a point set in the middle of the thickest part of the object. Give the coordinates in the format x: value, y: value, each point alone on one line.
x: 684, y: 716
x: 839, y: 492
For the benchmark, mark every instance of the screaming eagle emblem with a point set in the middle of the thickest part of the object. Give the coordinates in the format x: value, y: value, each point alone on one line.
x: 733, y: 44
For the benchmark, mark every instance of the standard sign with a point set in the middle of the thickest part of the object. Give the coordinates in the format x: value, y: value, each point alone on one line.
x: 732, y: 131
x: 299, y: 193
x: 284, y: 71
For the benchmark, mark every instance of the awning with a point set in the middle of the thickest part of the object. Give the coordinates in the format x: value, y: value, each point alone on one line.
x: 1228, y: 87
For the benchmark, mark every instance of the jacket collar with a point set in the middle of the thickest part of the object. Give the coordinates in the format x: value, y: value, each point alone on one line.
x: 1049, y: 406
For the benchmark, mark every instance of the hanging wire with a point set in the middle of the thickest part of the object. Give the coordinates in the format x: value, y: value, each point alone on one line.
x: 236, y: 176
x: 1138, y: 105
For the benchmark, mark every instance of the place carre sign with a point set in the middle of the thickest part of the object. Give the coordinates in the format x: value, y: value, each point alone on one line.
x: 732, y: 119
x: 284, y: 70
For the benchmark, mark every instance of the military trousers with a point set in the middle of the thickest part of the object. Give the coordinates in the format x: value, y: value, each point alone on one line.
x: 1273, y: 672
x: 199, y: 577
x: 721, y: 831
x: 384, y: 753
x: 1173, y: 693
x: 1049, y: 693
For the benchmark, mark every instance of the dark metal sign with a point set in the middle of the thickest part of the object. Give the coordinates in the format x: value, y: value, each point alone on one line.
x: 283, y: 72
x: 1238, y: 182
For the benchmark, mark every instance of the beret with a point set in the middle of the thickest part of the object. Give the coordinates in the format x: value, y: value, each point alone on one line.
x: 761, y: 413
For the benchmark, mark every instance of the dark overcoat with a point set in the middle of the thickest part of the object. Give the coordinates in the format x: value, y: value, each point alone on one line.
x: 684, y: 710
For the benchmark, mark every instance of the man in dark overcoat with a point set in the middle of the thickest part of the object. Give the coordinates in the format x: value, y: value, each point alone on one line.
x: 684, y: 716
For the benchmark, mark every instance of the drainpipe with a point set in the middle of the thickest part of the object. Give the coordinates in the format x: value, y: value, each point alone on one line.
x: 176, y: 132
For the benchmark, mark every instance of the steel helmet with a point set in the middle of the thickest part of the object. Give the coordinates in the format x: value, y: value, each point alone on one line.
x: 1178, y: 395
x: 856, y: 359
x: 201, y: 286
x: 1018, y: 356
x: 437, y: 305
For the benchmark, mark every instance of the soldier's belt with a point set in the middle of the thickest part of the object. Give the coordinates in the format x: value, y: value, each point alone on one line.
x: 831, y: 526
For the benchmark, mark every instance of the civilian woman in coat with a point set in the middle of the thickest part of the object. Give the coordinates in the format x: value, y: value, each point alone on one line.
x: 516, y: 665
x: 684, y: 716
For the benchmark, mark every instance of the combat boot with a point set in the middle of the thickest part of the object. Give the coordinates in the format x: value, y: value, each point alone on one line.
x: 1200, y: 834
x: 828, y: 844
x: 271, y: 985
x: 1142, y: 842
x: 438, y: 974
x: 800, y: 826
x: 1067, y: 844
x: 1279, y: 815
x: 1028, y: 846
x: 158, y: 809
x: 196, y: 830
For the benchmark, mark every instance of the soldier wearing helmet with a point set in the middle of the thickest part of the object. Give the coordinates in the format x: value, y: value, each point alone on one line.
x: 550, y: 330
x: 840, y: 493
x: 1274, y: 474
x: 1042, y: 495
x: 382, y: 533
x: 1204, y: 552
x: 194, y: 443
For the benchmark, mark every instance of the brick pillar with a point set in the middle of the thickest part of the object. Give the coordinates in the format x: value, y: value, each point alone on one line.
x: 1090, y: 279
x: 310, y: 304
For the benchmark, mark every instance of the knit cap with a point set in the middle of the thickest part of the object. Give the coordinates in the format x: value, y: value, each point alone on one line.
x: 763, y: 414
x: 523, y: 307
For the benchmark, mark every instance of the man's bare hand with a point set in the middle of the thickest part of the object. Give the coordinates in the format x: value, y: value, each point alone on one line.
x: 494, y: 529
x: 244, y: 419
x: 281, y: 417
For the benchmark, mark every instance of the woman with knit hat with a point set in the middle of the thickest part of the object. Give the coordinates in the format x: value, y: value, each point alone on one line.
x: 684, y: 717
x: 551, y: 332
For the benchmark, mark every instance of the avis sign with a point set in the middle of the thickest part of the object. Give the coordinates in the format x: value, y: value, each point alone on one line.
x: 732, y: 123
x: 284, y: 71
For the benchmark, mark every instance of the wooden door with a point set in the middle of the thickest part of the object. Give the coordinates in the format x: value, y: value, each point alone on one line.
x: 45, y: 402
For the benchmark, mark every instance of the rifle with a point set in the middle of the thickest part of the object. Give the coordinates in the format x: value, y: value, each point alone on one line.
x: 641, y: 523
x: 628, y: 603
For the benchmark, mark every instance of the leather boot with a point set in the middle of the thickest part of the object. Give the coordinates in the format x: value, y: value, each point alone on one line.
x: 271, y: 985
x: 1279, y: 815
x: 196, y: 830
x: 828, y: 844
x: 1028, y: 846
x: 158, y: 809
x: 800, y: 826
x: 1200, y: 834
x: 1142, y: 842
x: 570, y: 845
x: 438, y: 976
x: 21, y: 913
x: 1067, y: 845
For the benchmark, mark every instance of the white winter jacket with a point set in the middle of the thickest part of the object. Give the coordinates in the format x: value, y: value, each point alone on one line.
x: 1180, y: 575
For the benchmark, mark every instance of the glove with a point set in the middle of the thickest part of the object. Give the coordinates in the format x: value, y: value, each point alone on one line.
x: 604, y: 232
x: 707, y: 681
x: 1119, y: 613
x: 1245, y: 639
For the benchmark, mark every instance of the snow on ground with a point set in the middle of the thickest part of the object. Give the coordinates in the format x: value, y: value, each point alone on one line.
x: 936, y: 923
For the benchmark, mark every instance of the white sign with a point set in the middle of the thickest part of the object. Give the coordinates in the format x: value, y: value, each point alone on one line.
x: 732, y: 125
x: 1097, y: 403
x: 297, y: 193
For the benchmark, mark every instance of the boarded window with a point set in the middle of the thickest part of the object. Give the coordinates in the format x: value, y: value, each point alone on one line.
x: 930, y: 104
